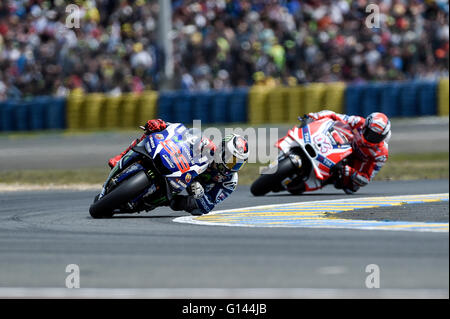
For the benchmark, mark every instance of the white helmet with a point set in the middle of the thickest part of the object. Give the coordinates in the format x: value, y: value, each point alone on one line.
x: 233, y: 154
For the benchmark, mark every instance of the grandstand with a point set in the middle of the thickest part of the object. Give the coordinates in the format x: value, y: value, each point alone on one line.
x: 307, y: 53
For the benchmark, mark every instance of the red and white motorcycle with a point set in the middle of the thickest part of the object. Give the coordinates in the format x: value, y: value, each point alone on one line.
x: 311, y: 156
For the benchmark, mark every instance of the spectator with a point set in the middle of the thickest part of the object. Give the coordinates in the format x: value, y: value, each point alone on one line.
x: 218, y: 44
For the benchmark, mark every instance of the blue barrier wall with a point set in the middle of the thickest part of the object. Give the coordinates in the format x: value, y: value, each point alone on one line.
x: 219, y: 104
x: 165, y: 106
x: 408, y: 99
x: 201, y: 105
x: 238, y: 106
x: 7, y: 116
x: 353, y: 99
x: 405, y: 99
x: 209, y: 107
x: 395, y: 99
x: 40, y: 113
x: 182, y: 107
x: 371, y: 97
x: 428, y: 98
x: 390, y: 100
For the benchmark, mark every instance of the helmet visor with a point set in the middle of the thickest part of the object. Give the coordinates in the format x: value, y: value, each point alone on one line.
x: 233, y: 164
x: 373, y: 137
x: 234, y: 167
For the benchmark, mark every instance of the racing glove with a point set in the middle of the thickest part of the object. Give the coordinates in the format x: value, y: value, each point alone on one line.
x: 154, y: 126
x: 196, y: 190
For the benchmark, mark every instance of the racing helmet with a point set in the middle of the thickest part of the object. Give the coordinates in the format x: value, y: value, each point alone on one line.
x: 377, y: 128
x: 232, y: 155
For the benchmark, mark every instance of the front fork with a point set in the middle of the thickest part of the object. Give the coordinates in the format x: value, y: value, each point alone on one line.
x: 124, y: 162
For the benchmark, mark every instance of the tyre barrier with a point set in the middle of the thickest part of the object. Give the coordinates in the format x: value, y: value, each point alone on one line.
x: 201, y: 103
x: 258, y: 105
x: 146, y: 106
x: 428, y: 92
x: 111, y: 111
x: 314, y: 97
x: 183, y: 108
x: 128, y: 111
x: 390, y: 100
x: 277, y: 107
x: 74, y: 110
x: 409, y: 99
x: 237, y: 109
x: 295, y: 103
x: 7, y: 115
x: 219, y: 104
x: 371, y: 97
x: 92, y: 111
x: 255, y: 105
x: 41, y: 113
x: 165, y: 106
x: 401, y: 99
x: 443, y: 97
x: 353, y: 99
x: 334, y: 97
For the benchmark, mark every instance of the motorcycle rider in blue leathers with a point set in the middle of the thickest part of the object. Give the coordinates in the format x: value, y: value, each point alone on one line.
x: 216, y: 183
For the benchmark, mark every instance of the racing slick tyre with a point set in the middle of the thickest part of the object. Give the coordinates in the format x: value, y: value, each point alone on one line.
x: 272, y: 182
x: 127, y: 190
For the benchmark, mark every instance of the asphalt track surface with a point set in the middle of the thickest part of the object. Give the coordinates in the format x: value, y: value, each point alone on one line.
x: 41, y: 232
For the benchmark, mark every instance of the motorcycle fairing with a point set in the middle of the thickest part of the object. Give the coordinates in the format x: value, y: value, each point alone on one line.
x: 327, y: 139
x: 175, y: 146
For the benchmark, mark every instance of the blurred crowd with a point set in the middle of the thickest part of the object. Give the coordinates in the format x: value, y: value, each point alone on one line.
x: 218, y: 44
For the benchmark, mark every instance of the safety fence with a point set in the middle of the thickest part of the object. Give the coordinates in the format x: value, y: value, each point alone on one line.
x: 256, y: 105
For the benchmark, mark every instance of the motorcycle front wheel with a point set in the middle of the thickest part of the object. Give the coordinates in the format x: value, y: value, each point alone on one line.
x: 126, y: 191
x: 272, y: 182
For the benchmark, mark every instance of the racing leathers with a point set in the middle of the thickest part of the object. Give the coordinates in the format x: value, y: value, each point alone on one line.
x: 367, y: 158
x: 217, y: 187
x: 206, y: 191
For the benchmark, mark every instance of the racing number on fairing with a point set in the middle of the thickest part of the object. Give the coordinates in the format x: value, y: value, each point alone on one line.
x: 177, y: 155
x: 323, y: 143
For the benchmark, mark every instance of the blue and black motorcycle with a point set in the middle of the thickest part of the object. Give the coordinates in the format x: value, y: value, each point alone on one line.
x: 161, y: 165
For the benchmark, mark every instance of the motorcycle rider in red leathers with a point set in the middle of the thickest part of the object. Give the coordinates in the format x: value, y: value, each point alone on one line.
x: 217, y: 182
x: 370, y: 147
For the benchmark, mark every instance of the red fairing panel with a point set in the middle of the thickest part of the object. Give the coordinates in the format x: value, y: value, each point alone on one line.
x: 330, y: 141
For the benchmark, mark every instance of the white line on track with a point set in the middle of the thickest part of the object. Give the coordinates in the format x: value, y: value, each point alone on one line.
x: 48, y: 187
x: 322, y: 222
x: 222, y: 293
